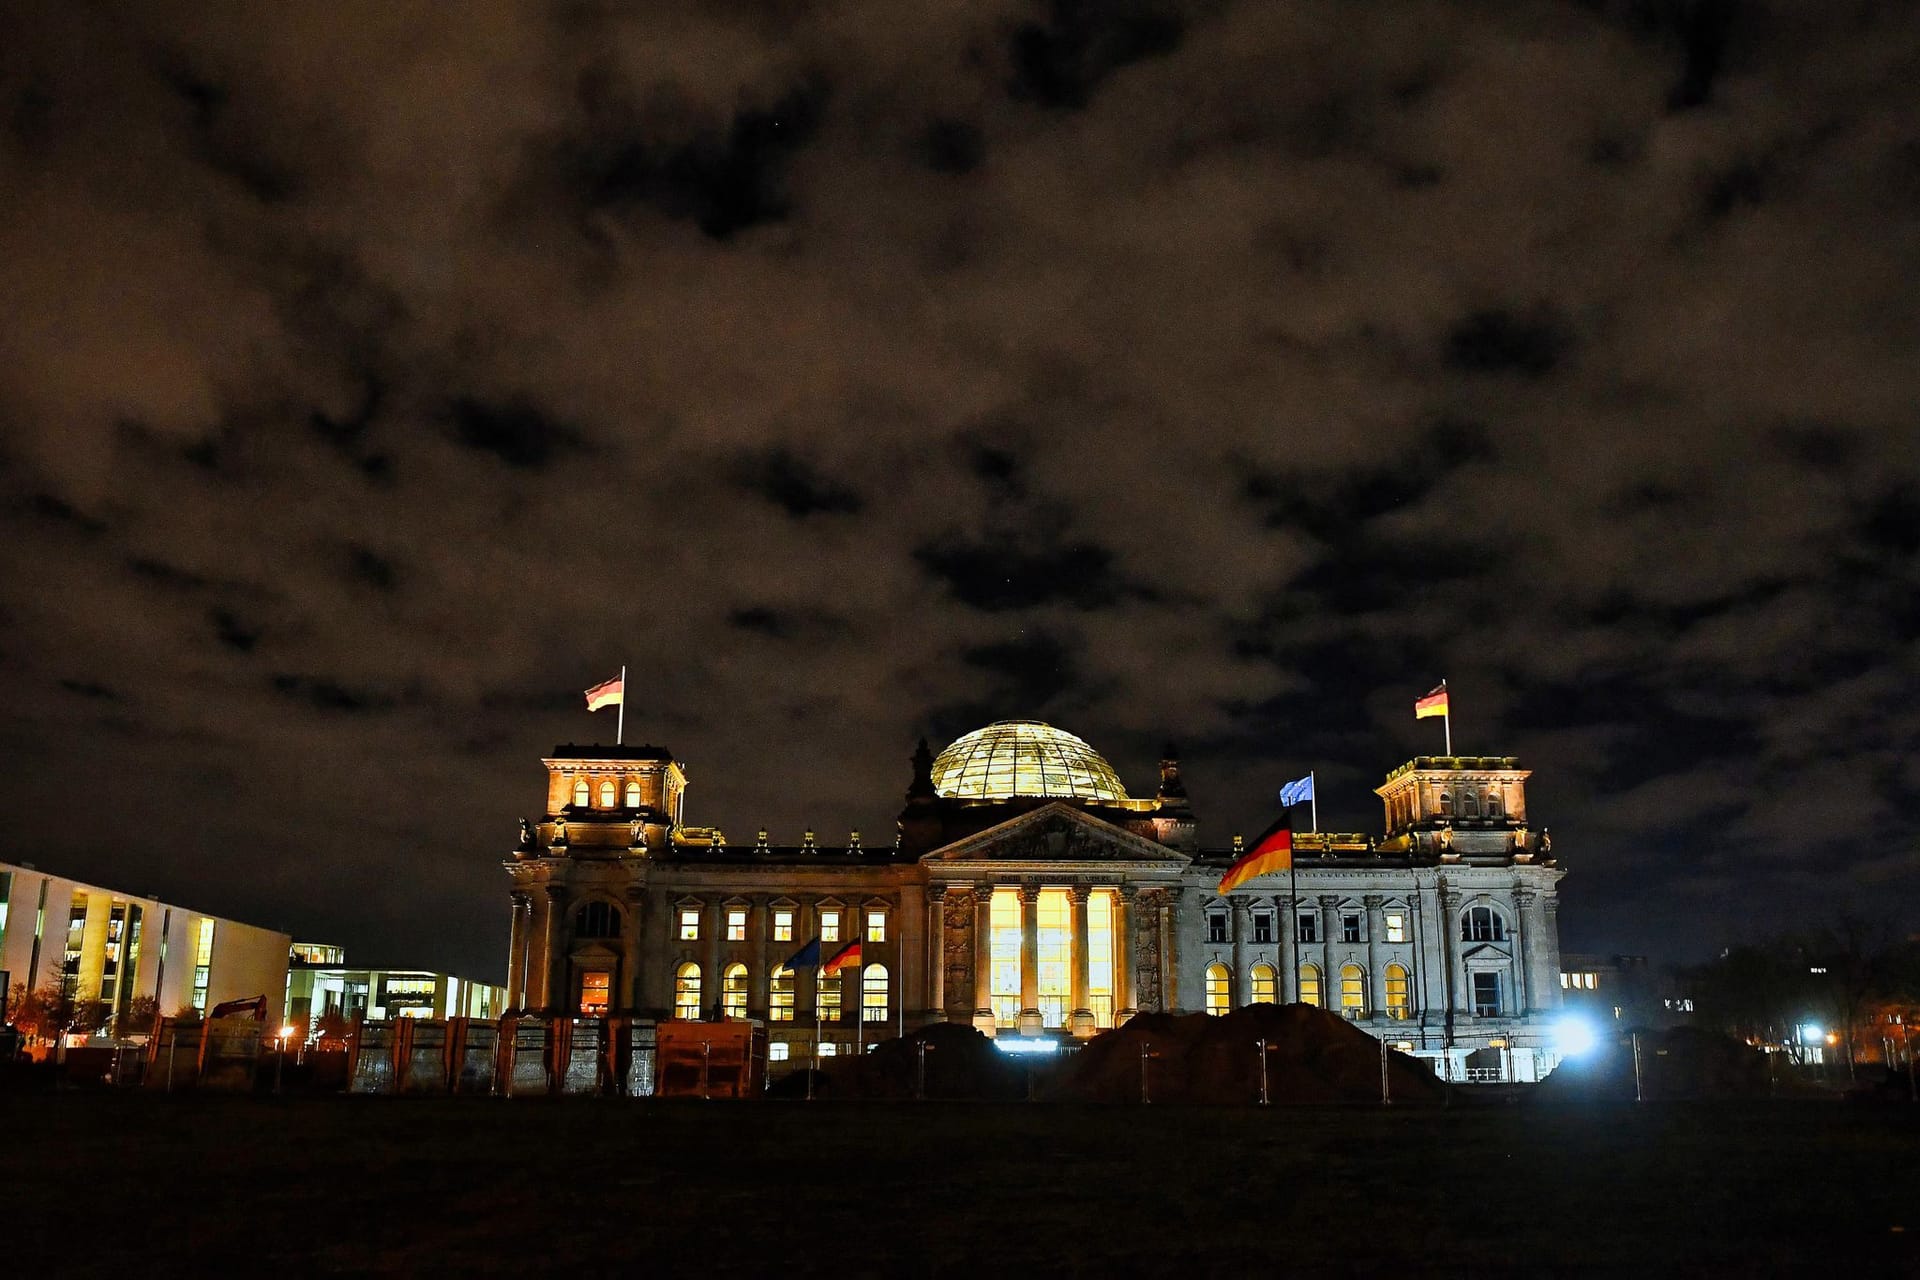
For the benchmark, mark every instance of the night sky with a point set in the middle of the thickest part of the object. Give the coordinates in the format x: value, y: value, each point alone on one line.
x: 375, y: 377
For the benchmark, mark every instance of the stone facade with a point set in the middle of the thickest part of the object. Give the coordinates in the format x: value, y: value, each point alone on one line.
x: 1026, y: 909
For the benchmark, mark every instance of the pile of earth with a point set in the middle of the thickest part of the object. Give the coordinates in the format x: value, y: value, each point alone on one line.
x: 960, y: 1064
x: 1312, y: 1057
x: 1683, y: 1062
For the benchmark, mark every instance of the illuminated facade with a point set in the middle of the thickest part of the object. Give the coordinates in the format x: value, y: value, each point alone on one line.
x: 320, y: 984
x: 1027, y: 894
x: 106, y: 949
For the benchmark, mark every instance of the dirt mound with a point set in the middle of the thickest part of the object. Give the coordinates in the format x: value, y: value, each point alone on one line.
x: 960, y: 1064
x: 1312, y: 1057
x: 1684, y: 1062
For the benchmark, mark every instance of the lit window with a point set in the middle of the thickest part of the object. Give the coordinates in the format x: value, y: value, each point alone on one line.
x: 1396, y: 927
x: 633, y: 795
x: 827, y: 997
x: 1003, y: 941
x: 783, y: 926
x: 733, y: 992
x: 1565, y: 981
x: 1054, y: 924
x: 1216, y: 926
x: 777, y: 1051
x: 1100, y: 956
x: 1265, y: 984
x: 581, y: 796
x: 829, y: 926
x: 1309, y: 926
x: 606, y: 794
x: 1588, y: 979
x: 737, y: 925
x: 1310, y: 985
x: 876, y: 926
x: 1219, y: 989
x: 1397, y: 1004
x: 780, y: 996
x: 829, y: 1050
x: 873, y: 998
x: 1350, y: 927
x: 1263, y: 928
x: 686, y: 992
x: 594, y: 990
x: 1353, y: 991
x: 1486, y: 995
x: 689, y: 924
x: 202, y: 962
x: 1482, y: 924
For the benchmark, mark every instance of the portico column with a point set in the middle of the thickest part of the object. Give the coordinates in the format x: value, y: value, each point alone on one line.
x: 1123, y: 954
x: 1287, y: 917
x: 936, y: 957
x: 983, y: 1018
x: 1029, y: 959
x: 553, y: 989
x: 517, y: 950
x: 1081, y: 1021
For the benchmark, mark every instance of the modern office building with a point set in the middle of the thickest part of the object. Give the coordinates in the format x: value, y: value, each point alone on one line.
x: 1026, y: 893
x: 319, y: 983
x: 103, y: 945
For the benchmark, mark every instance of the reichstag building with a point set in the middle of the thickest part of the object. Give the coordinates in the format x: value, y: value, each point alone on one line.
x: 1026, y: 893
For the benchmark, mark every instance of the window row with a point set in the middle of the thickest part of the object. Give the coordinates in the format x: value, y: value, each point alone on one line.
x: 1579, y: 981
x: 828, y: 924
x: 872, y: 991
x: 1353, y: 926
x: 1353, y: 993
x: 610, y: 791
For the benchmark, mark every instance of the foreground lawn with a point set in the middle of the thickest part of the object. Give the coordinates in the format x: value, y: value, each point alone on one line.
x: 124, y: 1183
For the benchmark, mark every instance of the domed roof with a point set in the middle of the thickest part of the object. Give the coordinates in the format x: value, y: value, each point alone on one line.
x: 1012, y: 758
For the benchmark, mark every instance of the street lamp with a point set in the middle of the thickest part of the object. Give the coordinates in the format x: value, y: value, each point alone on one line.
x: 1146, y: 1051
x: 280, y: 1059
x: 920, y: 1088
x: 1262, y: 1043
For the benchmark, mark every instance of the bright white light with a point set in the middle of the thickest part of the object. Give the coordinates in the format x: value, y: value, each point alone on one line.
x: 1020, y: 1044
x: 1810, y: 1033
x: 1576, y: 1037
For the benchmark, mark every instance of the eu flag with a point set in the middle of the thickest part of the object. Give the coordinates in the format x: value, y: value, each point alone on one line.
x: 1297, y: 792
x: 807, y: 957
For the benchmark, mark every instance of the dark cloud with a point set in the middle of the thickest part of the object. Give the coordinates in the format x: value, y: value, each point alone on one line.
x: 1215, y: 370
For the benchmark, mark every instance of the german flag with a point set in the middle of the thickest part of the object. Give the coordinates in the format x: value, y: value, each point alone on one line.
x: 847, y: 957
x: 1273, y: 851
x: 1434, y: 704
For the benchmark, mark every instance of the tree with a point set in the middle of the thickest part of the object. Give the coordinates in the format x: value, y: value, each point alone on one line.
x: 142, y: 1012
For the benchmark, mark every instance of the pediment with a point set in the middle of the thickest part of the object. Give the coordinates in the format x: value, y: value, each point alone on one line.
x: 1057, y: 833
x: 1486, y: 953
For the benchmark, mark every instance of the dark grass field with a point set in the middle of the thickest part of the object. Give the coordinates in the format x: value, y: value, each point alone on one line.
x: 128, y: 1184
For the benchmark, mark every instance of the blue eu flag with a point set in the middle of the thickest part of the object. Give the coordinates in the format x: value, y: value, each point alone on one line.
x: 1297, y: 792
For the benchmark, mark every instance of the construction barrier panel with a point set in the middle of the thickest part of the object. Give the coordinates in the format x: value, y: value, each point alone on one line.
x: 474, y: 1051
x: 421, y: 1053
x: 373, y: 1057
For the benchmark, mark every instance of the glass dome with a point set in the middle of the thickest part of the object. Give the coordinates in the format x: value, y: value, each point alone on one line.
x: 1024, y: 758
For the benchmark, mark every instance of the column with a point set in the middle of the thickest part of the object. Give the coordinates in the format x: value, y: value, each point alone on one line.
x: 1329, y: 974
x: 1029, y: 959
x: 1170, y: 905
x: 1123, y: 1006
x: 713, y: 913
x: 1080, y: 1019
x: 517, y: 950
x: 983, y: 959
x: 1240, y: 920
x: 1522, y: 968
x: 632, y: 994
x: 553, y: 988
x: 1376, y: 980
x: 1286, y: 917
x: 910, y: 950
x: 936, y: 950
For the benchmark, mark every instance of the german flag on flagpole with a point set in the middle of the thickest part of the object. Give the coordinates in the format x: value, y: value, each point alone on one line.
x: 846, y: 958
x: 1273, y: 851
x: 1434, y: 704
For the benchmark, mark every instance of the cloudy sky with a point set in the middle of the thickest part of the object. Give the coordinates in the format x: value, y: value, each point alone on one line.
x: 376, y: 376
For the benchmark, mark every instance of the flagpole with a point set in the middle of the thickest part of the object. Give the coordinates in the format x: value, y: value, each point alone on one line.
x: 1446, y: 719
x: 1313, y: 798
x: 620, y: 725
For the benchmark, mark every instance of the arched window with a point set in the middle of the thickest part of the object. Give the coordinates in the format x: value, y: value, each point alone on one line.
x: 606, y: 794
x: 1353, y: 991
x: 873, y: 998
x: 1397, y: 1006
x: 633, y: 794
x: 1483, y: 924
x: 1446, y: 804
x: 1219, y: 989
x: 1310, y: 985
x: 1469, y: 804
x: 686, y: 992
x: 780, y: 996
x: 581, y: 796
x: 1493, y: 804
x: 597, y: 920
x: 1265, y: 984
x: 733, y: 992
